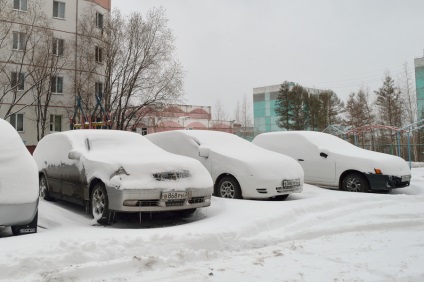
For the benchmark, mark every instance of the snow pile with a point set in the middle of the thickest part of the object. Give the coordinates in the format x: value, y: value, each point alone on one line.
x: 318, y: 235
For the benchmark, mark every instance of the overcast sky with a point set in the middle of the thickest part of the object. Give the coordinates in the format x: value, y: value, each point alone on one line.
x: 229, y: 47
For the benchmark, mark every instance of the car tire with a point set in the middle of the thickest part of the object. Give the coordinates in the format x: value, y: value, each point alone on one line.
x: 228, y: 187
x: 27, y: 228
x: 44, y: 189
x: 282, y: 197
x: 99, y: 203
x: 355, y: 182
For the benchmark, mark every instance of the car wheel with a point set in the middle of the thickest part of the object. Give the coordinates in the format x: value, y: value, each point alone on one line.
x: 44, y: 189
x: 228, y: 187
x: 26, y: 229
x: 355, y: 182
x: 100, y: 204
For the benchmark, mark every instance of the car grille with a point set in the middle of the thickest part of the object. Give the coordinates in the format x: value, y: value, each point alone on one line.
x: 175, y: 203
x: 171, y: 175
x: 196, y: 200
x: 143, y: 203
x: 262, y: 190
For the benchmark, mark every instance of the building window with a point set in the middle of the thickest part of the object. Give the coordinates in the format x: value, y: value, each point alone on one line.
x: 58, y: 9
x: 55, y: 123
x: 57, y: 84
x: 99, y: 89
x: 17, y: 121
x: 20, y: 5
x: 99, y: 20
x: 19, y: 41
x: 18, y: 80
x: 99, y: 54
x: 143, y: 131
x: 58, y: 46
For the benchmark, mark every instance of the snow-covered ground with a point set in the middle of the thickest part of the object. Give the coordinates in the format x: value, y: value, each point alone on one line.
x: 318, y: 235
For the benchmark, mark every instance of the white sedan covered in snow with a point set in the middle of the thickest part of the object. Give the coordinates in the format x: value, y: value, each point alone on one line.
x: 108, y: 170
x: 18, y: 183
x: 330, y: 161
x: 238, y: 168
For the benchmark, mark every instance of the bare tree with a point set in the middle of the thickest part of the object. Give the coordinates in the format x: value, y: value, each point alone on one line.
x: 409, y: 98
x: 409, y: 102
x: 23, y: 32
x: 140, y: 68
x: 219, y: 113
x: 245, y: 116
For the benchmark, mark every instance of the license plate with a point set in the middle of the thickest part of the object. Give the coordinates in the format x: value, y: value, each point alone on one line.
x: 405, y: 178
x: 176, y: 195
x: 290, y: 183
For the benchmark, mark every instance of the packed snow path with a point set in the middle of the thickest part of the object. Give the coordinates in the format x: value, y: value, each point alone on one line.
x: 318, y: 235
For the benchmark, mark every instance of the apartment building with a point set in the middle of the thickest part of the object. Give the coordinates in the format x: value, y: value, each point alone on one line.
x: 50, y: 53
x: 264, y: 104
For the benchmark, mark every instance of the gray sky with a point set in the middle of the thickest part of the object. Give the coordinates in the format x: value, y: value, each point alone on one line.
x: 228, y: 47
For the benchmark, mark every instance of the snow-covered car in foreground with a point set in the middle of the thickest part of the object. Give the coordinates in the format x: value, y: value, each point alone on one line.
x: 109, y: 170
x: 238, y: 168
x: 330, y: 161
x: 18, y: 183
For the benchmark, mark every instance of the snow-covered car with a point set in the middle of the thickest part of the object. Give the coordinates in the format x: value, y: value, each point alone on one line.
x: 238, y: 168
x: 18, y: 183
x: 332, y: 162
x: 111, y: 171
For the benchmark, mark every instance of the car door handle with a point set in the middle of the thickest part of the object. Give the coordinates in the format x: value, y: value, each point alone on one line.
x: 300, y: 160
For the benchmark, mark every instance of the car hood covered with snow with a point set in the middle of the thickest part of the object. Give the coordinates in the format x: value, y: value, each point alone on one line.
x: 18, y: 171
x: 123, y: 160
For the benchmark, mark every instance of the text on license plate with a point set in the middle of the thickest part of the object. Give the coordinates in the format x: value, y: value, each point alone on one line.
x: 405, y: 178
x: 176, y: 195
x: 290, y: 183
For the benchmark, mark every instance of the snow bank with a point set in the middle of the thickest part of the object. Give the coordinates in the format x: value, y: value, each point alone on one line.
x: 319, y: 235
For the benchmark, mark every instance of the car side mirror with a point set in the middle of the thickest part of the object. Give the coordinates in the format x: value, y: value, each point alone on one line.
x: 74, y: 155
x: 324, y: 155
x: 204, y: 151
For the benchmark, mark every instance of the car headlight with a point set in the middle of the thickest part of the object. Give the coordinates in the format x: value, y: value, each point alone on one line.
x: 120, y: 171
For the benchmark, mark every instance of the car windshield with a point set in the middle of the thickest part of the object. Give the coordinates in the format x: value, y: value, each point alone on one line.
x: 327, y: 141
x: 120, y: 143
x: 215, y: 138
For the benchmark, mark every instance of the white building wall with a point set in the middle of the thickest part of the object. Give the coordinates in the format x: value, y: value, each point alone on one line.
x: 61, y: 104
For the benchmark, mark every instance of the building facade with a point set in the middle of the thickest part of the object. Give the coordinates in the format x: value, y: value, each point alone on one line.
x: 264, y: 104
x: 50, y: 53
x: 419, y: 82
x: 177, y: 117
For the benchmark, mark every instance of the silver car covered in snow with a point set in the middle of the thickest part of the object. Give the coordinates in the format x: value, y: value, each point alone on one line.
x: 109, y: 170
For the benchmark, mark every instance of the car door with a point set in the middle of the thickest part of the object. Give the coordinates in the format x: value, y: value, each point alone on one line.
x: 53, y: 165
x: 319, y: 167
x: 71, y: 179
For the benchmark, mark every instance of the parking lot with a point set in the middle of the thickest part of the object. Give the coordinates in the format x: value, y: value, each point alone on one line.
x: 319, y: 234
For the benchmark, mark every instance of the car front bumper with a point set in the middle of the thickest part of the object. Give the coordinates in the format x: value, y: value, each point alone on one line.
x: 17, y: 214
x: 149, y: 200
x: 254, y: 188
x: 386, y: 182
